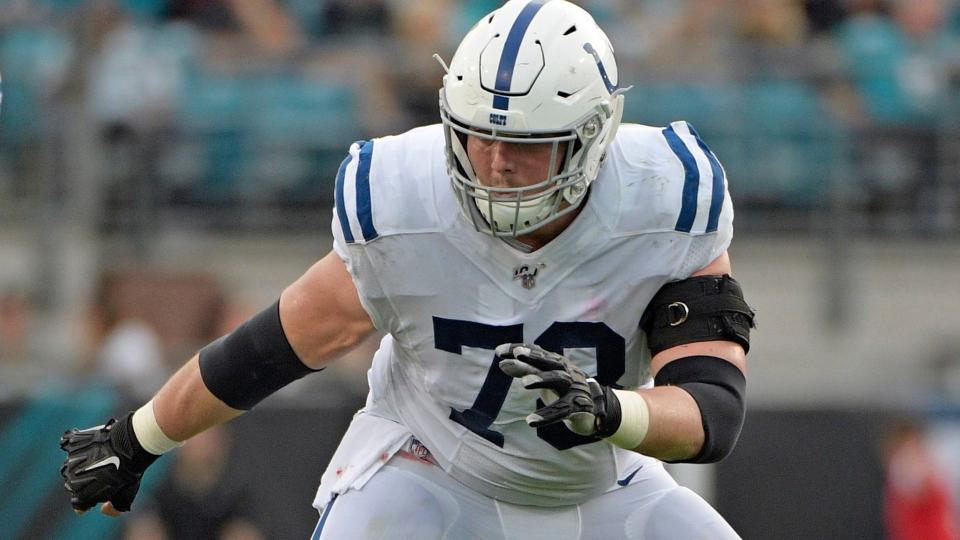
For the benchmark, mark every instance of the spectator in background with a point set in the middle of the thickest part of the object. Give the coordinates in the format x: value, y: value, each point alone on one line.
x: 899, y: 58
x: 900, y: 62
x: 824, y: 15
x: 773, y: 21
x: 772, y: 38
x: 133, y: 83
x: 929, y: 58
x: 356, y: 47
x: 127, y: 350
x: 209, y: 15
x: 420, y: 31
x: 14, y: 326
x: 917, y: 502
x: 198, y: 500
x: 689, y: 40
x: 258, y: 27
x: 17, y: 372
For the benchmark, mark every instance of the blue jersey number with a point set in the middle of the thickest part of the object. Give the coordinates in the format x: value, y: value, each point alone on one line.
x: 452, y: 335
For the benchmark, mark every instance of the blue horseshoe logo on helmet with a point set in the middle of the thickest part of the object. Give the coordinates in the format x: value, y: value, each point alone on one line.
x: 603, y: 71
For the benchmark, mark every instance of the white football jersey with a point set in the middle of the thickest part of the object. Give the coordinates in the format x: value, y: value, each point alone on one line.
x: 447, y: 295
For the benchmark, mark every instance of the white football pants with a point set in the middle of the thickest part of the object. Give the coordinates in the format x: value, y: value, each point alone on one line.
x: 411, y: 499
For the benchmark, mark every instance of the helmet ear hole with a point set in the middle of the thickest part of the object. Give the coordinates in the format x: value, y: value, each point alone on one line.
x: 577, y: 146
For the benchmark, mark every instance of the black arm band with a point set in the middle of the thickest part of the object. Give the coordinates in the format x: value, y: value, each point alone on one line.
x: 252, y: 362
x: 701, y: 308
x: 719, y: 388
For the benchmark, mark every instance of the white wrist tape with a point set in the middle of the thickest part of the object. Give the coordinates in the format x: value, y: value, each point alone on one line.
x: 634, y: 420
x: 148, y: 431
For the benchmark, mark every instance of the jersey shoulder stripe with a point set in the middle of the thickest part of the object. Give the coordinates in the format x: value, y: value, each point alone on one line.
x: 704, y: 184
x: 719, y: 183
x: 352, y: 194
x: 386, y: 186
x: 691, y: 182
x: 663, y: 180
x: 364, y: 209
x: 339, y: 205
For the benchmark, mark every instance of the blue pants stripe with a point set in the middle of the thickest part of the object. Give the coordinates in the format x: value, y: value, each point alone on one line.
x: 323, y: 518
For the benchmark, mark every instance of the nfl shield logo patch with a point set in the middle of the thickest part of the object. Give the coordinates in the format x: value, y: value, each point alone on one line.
x: 527, y: 274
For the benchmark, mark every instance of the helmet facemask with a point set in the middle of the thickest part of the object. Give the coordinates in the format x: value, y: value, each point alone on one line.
x: 516, y: 211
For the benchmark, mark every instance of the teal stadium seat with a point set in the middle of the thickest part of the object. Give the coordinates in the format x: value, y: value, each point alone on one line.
x: 872, y: 49
x: 32, y: 60
x: 268, y: 137
x: 302, y: 112
x: 145, y: 8
x: 791, y: 145
x: 212, y: 116
x: 300, y: 130
x: 309, y: 15
x: 775, y: 138
x: 706, y: 106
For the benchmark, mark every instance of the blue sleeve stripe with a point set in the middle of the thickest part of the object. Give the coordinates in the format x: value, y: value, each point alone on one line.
x: 716, y: 198
x: 338, y: 197
x: 364, y: 208
x: 691, y: 182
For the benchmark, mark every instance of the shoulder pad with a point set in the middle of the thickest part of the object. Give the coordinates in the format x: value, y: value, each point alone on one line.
x: 669, y: 181
x: 385, y: 186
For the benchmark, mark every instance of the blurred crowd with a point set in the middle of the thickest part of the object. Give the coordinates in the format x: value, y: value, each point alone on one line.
x: 252, y: 101
x: 239, y: 105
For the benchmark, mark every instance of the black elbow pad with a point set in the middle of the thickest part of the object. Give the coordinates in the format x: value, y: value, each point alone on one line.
x: 700, y: 308
x: 719, y: 388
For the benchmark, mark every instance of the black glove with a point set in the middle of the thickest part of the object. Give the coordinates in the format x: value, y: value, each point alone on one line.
x: 104, y: 463
x: 584, y: 405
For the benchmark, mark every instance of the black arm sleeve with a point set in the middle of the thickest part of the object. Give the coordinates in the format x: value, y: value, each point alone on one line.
x: 252, y: 362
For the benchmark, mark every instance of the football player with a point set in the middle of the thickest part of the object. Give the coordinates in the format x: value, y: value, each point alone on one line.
x: 556, y: 297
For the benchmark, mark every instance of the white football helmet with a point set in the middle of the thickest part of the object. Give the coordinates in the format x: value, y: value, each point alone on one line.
x: 533, y: 71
